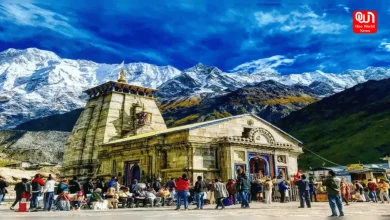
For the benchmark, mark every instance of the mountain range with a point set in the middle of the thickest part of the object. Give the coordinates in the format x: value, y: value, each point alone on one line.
x: 346, y: 128
x: 36, y: 83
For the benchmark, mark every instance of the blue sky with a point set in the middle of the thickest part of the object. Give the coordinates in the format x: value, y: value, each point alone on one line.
x: 289, y: 36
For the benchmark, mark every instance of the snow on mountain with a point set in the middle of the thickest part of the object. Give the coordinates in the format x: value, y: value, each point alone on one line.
x: 36, y: 83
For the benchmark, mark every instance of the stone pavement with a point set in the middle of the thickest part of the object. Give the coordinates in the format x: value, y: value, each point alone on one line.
x: 257, y: 210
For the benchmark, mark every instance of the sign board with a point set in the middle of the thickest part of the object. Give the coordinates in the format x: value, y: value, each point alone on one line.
x: 351, y: 167
x: 144, y: 118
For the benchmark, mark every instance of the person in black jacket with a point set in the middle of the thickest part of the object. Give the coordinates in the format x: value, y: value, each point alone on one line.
x: 20, y: 188
x: 3, y: 185
x: 200, y: 188
x: 74, y: 186
x: 304, y: 191
x: 88, y: 187
x: 244, y: 187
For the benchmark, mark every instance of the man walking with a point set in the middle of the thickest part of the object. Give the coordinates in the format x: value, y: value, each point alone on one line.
x: 20, y: 188
x: 332, y: 184
x: 384, y: 194
x: 304, y: 191
x: 200, y: 188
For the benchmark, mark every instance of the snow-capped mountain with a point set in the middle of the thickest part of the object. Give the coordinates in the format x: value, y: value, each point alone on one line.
x: 206, y: 79
x: 36, y: 83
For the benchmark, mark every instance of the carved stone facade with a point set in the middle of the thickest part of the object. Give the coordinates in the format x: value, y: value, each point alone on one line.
x: 108, y: 140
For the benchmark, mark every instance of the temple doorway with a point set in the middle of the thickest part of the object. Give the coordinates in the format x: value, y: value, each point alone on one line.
x: 132, y: 171
x: 258, y: 167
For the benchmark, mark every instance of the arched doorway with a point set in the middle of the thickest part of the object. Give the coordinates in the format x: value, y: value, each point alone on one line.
x: 258, y: 167
x: 132, y: 171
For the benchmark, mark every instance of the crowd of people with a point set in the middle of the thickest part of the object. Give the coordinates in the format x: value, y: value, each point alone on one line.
x: 67, y: 195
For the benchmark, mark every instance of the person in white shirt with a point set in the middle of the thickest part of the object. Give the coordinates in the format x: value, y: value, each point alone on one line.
x: 49, y: 193
x: 151, y: 197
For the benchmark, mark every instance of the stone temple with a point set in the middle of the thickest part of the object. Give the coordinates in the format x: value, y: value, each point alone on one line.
x: 121, y: 132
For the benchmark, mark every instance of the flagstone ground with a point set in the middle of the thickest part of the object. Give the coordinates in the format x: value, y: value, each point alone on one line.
x: 257, y: 210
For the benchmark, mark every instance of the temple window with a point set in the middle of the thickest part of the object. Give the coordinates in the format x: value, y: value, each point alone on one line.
x: 209, y: 158
x: 246, y: 132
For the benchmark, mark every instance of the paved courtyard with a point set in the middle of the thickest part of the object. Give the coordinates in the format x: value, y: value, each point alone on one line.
x: 276, y: 210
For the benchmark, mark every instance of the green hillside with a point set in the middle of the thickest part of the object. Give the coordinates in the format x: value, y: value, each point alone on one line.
x: 348, y: 127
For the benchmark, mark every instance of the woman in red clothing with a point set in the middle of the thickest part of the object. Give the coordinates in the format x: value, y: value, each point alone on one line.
x: 183, y: 187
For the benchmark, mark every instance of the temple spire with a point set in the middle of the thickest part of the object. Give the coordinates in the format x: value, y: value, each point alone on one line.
x: 122, y: 74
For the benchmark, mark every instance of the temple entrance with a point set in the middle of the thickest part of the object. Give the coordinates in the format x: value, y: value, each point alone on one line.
x: 258, y: 167
x: 132, y: 171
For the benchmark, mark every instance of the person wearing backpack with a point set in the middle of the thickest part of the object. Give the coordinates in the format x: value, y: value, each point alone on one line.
x: 3, y: 185
x: 372, y: 190
x: 20, y: 188
x: 36, y: 189
x: 200, y: 188
x: 268, y: 191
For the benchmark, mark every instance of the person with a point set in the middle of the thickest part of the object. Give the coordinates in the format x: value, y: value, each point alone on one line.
x: 100, y: 184
x: 230, y: 189
x: 360, y: 190
x: 151, y: 197
x: 49, y: 193
x: 220, y: 193
x: 183, y: 187
x: 372, y: 190
x: 78, y: 200
x: 74, y: 186
x: 134, y: 187
x: 62, y: 187
x: 3, y: 187
x: 112, y: 182
x: 63, y: 203
x: 304, y: 191
x: 384, y: 187
x: 268, y: 191
x: 332, y: 184
x: 244, y: 187
x: 126, y: 197
x: 97, y: 200
x: 200, y: 188
x: 140, y: 196
x: 343, y: 189
x: 112, y: 198
x: 164, y: 194
x: 88, y: 187
x: 36, y: 189
x: 20, y: 188
x: 171, y: 185
x: 210, y: 192
x: 313, y: 190
x: 282, y: 190
x: 157, y: 184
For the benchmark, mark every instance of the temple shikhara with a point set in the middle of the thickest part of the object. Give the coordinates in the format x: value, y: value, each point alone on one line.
x: 121, y: 132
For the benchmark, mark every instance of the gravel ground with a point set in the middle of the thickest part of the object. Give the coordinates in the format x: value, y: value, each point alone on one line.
x: 257, y: 210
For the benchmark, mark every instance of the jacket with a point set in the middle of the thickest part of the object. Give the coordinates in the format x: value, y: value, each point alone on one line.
x: 244, y: 183
x: 111, y: 183
x: 220, y: 190
x: 182, y: 185
x: 62, y: 187
x: 313, y: 187
x: 230, y: 187
x: 282, y: 186
x: 303, y: 185
x: 3, y: 186
x: 36, y: 184
x: 74, y: 186
x: 156, y: 186
x: 332, y: 185
x: 88, y: 188
x: 200, y: 186
x: 372, y: 186
x: 20, y: 188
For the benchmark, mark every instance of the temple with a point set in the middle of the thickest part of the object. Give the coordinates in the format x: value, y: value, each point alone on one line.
x: 121, y: 132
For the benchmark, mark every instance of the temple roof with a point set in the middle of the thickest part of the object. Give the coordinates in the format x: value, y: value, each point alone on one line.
x: 110, y: 85
x: 192, y: 127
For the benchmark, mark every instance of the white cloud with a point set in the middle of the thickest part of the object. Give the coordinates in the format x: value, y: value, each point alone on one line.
x: 299, y: 20
x: 344, y: 7
x: 268, y: 65
x: 384, y: 46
